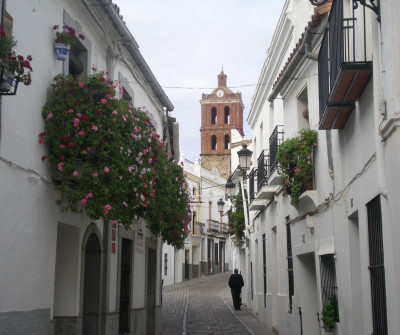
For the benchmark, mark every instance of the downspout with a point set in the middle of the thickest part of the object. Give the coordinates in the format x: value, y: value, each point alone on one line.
x: 378, y: 114
x: 133, y: 49
x: 304, y: 50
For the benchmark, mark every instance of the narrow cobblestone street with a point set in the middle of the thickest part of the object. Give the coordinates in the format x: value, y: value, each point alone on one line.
x: 204, y: 306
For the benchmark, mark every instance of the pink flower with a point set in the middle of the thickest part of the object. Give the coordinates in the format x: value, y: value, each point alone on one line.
x: 134, y: 189
x: 125, y: 204
x: 94, y: 128
x: 75, y: 173
x: 89, y: 195
x: 49, y: 116
x: 43, y: 158
x: 95, y: 174
x: 41, y: 140
x: 145, y: 185
x: 114, y: 112
x: 105, y: 212
x: 315, y: 144
x: 71, y: 144
x: 107, y: 207
x: 83, y: 201
x: 286, y: 181
x: 80, y: 84
x: 62, y: 146
x: 296, y: 170
x: 70, y: 111
x: 106, y: 169
x: 103, y: 101
x: 60, y: 166
x: 81, y: 133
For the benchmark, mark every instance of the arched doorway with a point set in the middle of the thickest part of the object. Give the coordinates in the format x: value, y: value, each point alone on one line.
x: 91, y: 289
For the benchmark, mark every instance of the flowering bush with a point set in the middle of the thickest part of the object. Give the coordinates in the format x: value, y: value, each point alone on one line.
x: 66, y: 35
x: 15, y: 64
x: 295, y: 163
x: 105, y: 151
x: 168, y: 213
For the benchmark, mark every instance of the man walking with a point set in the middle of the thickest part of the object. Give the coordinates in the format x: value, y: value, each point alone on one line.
x: 236, y: 283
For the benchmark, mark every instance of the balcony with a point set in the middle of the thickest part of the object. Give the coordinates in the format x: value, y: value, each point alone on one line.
x: 198, y: 229
x: 216, y: 228
x: 343, y: 68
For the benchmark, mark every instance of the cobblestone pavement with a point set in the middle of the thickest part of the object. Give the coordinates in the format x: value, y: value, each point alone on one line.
x: 204, y: 306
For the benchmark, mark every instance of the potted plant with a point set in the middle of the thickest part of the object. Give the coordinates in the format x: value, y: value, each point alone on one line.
x: 111, y: 164
x: 295, y: 164
x: 65, y: 38
x: 14, y: 68
x: 330, y: 314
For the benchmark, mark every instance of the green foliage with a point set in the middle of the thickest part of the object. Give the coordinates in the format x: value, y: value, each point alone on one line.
x: 15, y: 65
x: 330, y: 314
x: 295, y: 163
x: 237, y: 220
x: 66, y: 35
x: 108, y: 158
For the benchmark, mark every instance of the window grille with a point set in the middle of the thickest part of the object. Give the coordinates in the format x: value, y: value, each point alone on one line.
x: 264, y: 269
x: 376, y: 267
x: 124, y: 302
x: 328, y: 277
x: 165, y: 264
x: 290, y: 263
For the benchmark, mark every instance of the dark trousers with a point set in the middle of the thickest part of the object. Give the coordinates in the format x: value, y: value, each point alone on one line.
x: 237, y: 300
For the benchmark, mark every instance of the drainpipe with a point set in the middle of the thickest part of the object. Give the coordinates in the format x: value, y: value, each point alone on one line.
x: 133, y: 48
x: 304, y: 50
x: 379, y: 115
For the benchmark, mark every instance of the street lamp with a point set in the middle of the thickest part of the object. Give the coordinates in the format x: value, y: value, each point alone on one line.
x: 220, y: 204
x: 244, y: 157
x: 230, y: 188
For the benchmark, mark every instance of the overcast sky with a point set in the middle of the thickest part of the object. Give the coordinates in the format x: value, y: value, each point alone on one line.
x: 187, y: 42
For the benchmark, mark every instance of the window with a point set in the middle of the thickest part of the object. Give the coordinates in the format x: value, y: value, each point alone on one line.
x: 328, y: 277
x: 213, y: 115
x: 290, y: 262
x: 226, y: 115
x: 165, y: 264
x: 264, y: 268
x: 194, y: 221
x: 125, y: 285
x: 127, y: 92
x: 227, y: 142
x: 302, y: 110
x: 377, y: 267
x: 213, y: 142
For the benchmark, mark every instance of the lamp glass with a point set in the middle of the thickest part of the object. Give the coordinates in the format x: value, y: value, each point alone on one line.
x: 245, y: 157
x: 220, y: 204
x: 230, y: 188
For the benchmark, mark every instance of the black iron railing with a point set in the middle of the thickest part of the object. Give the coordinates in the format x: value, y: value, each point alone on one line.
x: 213, y: 227
x: 251, y: 185
x: 262, y: 169
x: 275, y: 141
x: 342, y: 44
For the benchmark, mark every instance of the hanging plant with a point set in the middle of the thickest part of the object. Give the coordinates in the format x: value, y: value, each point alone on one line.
x: 295, y: 164
x: 105, y: 153
x: 237, y: 220
x: 14, y: 67
x: 330, y: 314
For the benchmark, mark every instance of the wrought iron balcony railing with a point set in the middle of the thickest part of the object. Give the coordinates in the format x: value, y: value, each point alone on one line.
x: 344, y: 67
x: 275, y: 140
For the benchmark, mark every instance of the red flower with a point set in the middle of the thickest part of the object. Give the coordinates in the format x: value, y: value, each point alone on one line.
x: 2, y: 33
x: 77, y: 104
x: 43, y: 158
x: 64, y: 138
x: 71, y: 145
x: 62, y: 157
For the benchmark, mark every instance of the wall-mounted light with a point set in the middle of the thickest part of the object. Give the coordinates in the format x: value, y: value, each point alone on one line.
x: 245, y: 157
x: 230, y: 188
x: 220, y: 204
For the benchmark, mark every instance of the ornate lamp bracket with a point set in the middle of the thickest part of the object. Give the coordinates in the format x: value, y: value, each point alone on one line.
x: 371, y: 4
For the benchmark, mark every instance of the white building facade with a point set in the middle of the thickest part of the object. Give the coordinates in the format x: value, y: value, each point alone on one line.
x: 208, y: 248
x: 64, y: 273
x: 327, y: 70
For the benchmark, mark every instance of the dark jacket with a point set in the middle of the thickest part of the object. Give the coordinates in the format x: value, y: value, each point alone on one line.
x: 236, y: 281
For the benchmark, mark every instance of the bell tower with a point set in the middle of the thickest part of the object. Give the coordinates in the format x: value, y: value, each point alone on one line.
x: 221, y: 111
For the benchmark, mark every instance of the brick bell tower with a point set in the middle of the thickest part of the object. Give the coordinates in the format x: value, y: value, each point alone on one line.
x: 221, y: 111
